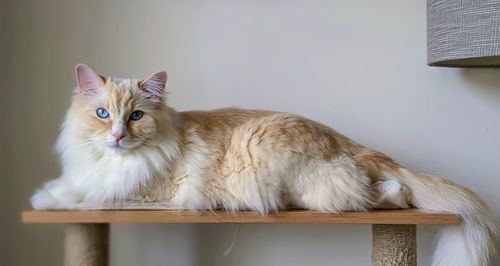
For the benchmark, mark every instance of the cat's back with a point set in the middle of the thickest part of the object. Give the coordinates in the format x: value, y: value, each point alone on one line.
x: 221, y: 119
x: 269, y: 129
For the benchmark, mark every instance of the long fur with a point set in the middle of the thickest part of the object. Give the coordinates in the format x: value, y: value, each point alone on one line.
x: 238, y: 159
x: 470, y: 243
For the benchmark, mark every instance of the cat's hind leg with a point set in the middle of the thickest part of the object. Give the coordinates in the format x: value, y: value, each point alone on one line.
x: 392, y: 194
x: 332, y: 186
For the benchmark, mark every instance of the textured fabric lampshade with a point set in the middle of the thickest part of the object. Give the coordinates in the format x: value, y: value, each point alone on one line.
x: 463, y: 33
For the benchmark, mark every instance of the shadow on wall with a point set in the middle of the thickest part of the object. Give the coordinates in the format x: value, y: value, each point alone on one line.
x: 485, y: 81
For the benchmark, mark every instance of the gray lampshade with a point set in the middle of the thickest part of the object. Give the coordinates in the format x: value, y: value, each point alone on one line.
x: 463, y: 33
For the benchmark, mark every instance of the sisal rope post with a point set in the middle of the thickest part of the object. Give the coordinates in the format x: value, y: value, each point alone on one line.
x: 86, y: 244
x: 394, y: 245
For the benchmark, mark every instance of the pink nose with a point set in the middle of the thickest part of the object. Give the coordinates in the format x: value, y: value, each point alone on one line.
x: 118, y: 136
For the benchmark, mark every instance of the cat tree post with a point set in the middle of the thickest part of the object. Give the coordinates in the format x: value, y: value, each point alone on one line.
x: 394, y: 245
x: 86, y: 244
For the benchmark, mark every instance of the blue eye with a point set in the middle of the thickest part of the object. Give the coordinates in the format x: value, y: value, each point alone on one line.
x: 102, y: 113
x: 136, y: 115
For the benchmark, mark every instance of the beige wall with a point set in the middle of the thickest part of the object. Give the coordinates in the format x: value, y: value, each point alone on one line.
x: 4, y: 156
x: 358, y: 66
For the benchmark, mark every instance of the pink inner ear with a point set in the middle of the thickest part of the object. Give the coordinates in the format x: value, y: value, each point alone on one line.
x: 154, y: 86
x: 88, y: 81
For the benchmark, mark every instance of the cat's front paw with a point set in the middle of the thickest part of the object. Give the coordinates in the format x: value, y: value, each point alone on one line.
x: 54, y: 198
x: 44, y: 200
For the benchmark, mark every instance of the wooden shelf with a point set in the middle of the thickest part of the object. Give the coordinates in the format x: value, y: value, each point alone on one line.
x: 87, y: 232
x: 411, y: 216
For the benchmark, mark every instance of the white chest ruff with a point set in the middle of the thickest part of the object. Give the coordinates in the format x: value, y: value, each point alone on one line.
x: 101, y: 178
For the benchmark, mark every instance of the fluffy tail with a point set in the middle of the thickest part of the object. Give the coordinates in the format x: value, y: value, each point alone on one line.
x: 472, y: 243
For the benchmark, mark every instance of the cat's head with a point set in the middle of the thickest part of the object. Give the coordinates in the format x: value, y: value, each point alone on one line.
x: 118, y: 114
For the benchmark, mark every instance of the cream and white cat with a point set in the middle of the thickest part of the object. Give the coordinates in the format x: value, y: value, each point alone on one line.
x: 120, y: 142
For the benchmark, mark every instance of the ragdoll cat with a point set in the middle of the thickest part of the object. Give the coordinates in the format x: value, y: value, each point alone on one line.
x: 120, y: 142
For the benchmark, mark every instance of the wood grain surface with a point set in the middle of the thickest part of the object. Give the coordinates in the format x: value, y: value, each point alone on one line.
x: 410, y: 216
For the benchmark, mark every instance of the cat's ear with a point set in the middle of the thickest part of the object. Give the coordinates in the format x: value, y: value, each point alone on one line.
x: 88, y: 81
x: 154, y: 86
